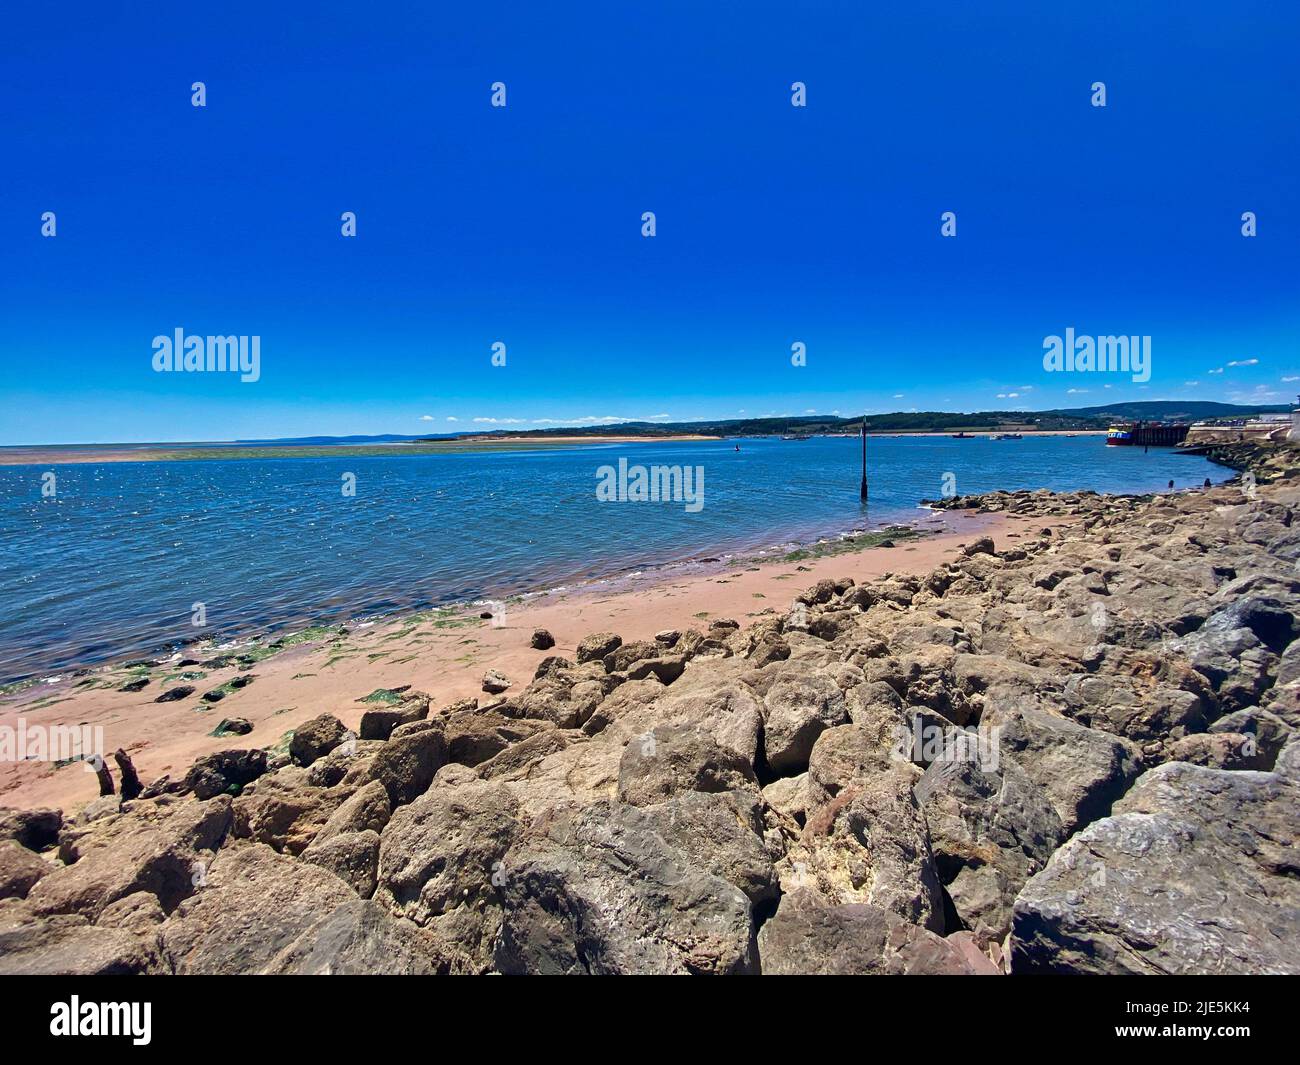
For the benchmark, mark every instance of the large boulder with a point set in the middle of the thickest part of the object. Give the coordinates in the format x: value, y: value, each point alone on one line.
x: 379, y: 723
x: 796, y: 710
x: 34, y: 829
x: 315, y: 738
x: 991, y: 829
x: 351, y: 856
x: 157, y: 847
x: 366, y: 810
x: 406, y: 766
x: 19, y: 869
x: 225, y: 772
x: 283, y: 811
x: 870, y: 845
x: 1082, y: 770
x: 595, y: 647
x: 670, y: 759
x: 68, y: 945
x: 1195, y: 872
x: 810, y: 936
x: 598, y: 890
x: 262, y: 912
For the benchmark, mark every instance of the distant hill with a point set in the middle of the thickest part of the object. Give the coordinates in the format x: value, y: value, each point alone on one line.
x: 919, y: 421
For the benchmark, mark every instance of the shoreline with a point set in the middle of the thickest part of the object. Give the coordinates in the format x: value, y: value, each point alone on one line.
x: 255, y: 634
x: 443, y: 651
x: 88, y: 454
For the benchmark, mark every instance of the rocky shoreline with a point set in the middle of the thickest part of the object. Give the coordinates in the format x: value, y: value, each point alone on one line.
x: 1079, y: 754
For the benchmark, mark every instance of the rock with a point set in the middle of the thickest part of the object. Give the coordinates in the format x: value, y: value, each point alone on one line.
x: 171, y: 695
x: 366, y: 810
x: 671, y: 759
x: 721, y: 833
x: 597, y: 646
x: 406, y: 766
x: 68, y: 945
x: 19, y: 869
x: 381, y: 722
x: 795, y: 712
x: 351, y: 856
x: 991, y: 829
x: 283, y: 811
x: 519, y: 760
x: 768, y: 650
x: 138, y: 684
x: 140, y: 914
x: 667, y: 637
x: 1219, y: 750
x: 1082, y: 770
x: 982, y: 546
x: 315, y: 738
x: 597, y: 891
x: 664, y: 668
x: 1193, y: 873
x: 1269, y: 731
x: 870, y: 845
x: 1139, y: 713
x: 623, y: 656
x: 262, y: 912
x: 441, y: 863
x: 34, y: 829
x: 479, y: 735
x: 842, y: 757
x: 234, y: 726
x: 495, y: 682
x: 98, y: 809
x: 810, y: 936
x: 542, y: 640
x: 789, y: 797
x: 225, y: 772
x: 157, y: 847
x: 350, y: 761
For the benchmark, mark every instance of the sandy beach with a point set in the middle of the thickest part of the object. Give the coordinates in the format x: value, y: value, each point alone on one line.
x: 442, y: 653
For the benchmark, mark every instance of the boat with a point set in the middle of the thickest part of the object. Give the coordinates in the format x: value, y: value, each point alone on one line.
x: 1119, y: 436
x: 1009, y: 436
x: 961, y: 436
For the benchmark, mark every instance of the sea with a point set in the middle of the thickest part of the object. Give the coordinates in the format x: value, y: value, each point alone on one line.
x: 117, y: 561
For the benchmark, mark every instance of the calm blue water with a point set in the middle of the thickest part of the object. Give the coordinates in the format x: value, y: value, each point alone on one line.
x: 112, y: 565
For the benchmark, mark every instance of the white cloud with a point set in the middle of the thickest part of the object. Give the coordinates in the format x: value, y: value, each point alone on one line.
x: 898, y: 395
x: 1285, y: 380
x: 500, y: 421
x: 1191, y: 384
x: 1219, y: 370
x: 452, y: 418
x: 426, y: 417
x: 1244, y: 362
x: 811, y: 410
x: 1075, y: 391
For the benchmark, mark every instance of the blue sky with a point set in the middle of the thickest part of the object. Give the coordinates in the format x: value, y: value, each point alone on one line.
x: 522, y: 224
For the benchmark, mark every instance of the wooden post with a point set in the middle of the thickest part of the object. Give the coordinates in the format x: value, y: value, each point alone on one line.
x: 864, y: 460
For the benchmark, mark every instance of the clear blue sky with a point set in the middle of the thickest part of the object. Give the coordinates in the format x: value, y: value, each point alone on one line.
x: 522, y: 224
